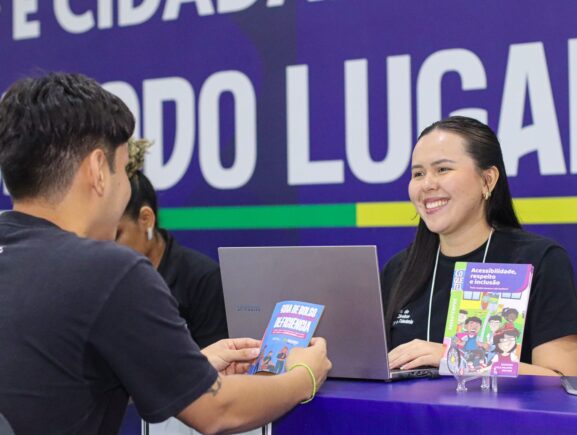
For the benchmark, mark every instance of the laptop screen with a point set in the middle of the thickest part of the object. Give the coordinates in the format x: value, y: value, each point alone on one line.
x: 345, y: 279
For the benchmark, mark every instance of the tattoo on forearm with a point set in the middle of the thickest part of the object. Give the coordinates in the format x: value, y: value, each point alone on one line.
x: 215, y: 387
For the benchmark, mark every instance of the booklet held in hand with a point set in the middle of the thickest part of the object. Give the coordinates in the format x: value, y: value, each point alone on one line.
x: 292, y: 325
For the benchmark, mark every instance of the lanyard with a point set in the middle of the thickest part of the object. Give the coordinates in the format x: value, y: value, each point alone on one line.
x: 435, y: 276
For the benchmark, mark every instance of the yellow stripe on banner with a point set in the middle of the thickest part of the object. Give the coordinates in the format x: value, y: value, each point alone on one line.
x: 386, y: 214
x: 531, y: 211
x: 547, y: 210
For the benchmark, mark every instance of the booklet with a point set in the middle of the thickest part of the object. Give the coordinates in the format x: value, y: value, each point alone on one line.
x: 292, y: 325
x: 486, y: 318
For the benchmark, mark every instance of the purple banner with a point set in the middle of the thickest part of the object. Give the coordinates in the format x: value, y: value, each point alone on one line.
x: 264, y: 102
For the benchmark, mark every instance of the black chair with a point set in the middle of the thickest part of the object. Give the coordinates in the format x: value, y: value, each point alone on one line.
x: 5, y: 428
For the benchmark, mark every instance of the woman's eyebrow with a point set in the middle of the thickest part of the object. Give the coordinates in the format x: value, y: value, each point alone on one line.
x: 435, y: 163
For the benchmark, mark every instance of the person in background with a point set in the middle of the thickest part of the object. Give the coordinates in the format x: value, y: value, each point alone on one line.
x: 460, y: 191
x: 193, y: 278
x: 85, y: 322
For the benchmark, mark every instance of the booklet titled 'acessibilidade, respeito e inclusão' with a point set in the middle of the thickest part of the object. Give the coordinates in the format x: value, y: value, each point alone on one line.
x: 486, y: 318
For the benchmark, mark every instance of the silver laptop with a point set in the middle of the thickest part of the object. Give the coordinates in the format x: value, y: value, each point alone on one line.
x: 345, y: 279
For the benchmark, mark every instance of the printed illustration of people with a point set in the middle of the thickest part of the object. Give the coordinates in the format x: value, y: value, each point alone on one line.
x: 505, y: 341
x: 280, y: 359
x: 487, y: 341
x: 271, y: 361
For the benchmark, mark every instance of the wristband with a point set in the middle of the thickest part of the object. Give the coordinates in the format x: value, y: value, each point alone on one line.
x: 306, y: 366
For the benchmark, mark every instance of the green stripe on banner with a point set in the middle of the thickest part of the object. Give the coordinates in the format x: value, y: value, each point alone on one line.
x: 552, y: 210
x: 259, y: 217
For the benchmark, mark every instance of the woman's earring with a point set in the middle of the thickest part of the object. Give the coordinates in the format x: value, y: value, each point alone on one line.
x: 149, y: 233
x: 487, y: 195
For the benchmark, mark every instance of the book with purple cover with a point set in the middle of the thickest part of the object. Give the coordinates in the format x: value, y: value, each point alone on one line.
x: 486, y: 318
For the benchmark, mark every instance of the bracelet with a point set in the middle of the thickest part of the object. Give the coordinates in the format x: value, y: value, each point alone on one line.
x: 306, y: 366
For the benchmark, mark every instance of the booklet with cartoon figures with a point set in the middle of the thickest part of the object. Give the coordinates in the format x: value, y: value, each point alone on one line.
x: 292, y: 325
x: 486, y: 318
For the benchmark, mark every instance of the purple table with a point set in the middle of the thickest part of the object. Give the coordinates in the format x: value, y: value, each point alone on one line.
x: 526, y: 405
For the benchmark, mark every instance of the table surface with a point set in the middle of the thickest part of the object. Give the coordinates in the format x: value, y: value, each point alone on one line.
x: 523, y: 405
x: 527, y: 404
x: 530, y: 393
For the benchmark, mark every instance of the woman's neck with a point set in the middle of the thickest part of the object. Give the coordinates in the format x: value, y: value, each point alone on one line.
x: 157, y: 249
x: 455, y: 245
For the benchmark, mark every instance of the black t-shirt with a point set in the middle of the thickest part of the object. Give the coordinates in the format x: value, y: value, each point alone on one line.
x: 83, y: 325
x: 552, y: 311
x: 194, y: 280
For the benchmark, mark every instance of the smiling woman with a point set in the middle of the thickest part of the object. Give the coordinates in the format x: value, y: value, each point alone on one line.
x: 449, y: 191
x: 460, y: 191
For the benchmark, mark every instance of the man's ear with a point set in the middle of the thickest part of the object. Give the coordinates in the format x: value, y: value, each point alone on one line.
x: 146, y: 217
x: 97, y: 162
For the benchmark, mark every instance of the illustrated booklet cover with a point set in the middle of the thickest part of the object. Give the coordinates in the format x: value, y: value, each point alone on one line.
x: 486, y: 318
x: 292, y: 325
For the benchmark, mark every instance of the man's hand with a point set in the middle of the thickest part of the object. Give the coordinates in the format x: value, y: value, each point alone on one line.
x: 416, y: 353
x: 315, y: 356
x: 232, y: 355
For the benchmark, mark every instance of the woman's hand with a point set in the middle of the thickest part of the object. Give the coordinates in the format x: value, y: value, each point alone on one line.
x: 415, y: 353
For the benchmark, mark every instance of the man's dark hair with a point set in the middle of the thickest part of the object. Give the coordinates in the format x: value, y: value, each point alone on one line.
x: 49, y: 124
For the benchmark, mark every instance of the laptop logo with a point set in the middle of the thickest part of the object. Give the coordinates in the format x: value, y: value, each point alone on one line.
x: 248, y: 308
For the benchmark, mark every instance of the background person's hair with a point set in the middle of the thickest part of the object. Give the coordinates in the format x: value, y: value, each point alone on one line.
x: 142, y: 194
x: 483, y: 146
x: 137, y: 149
x: 49, y: 124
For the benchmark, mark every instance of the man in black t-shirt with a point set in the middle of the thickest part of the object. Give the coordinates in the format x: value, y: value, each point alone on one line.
x: 85, y: 323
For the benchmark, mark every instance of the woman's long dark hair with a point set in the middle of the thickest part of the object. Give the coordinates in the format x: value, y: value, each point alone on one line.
x: 482, y: 145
